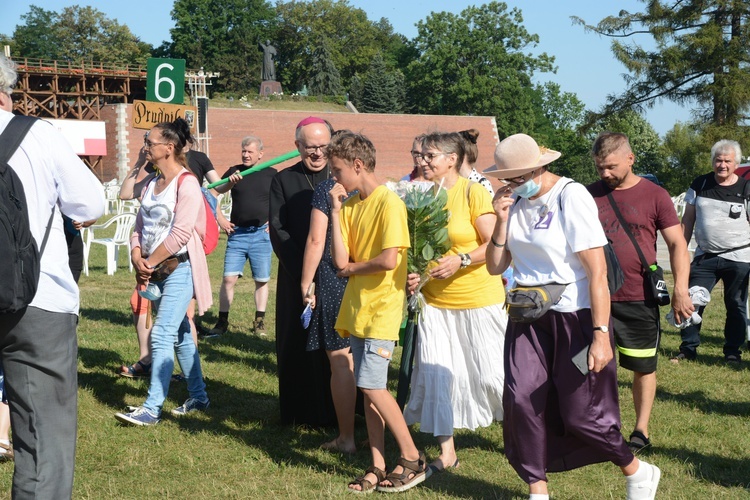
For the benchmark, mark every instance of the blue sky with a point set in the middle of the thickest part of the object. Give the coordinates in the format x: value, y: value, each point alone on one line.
x: 585, y: 63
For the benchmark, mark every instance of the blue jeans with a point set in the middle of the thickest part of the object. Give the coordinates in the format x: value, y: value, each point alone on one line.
x: 170, y: 335
x: 706, y: 271
x: 253, y: 244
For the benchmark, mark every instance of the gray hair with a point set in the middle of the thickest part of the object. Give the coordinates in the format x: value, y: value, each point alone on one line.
x: 726, y: 146
x: 251, y: 139
x: 8, y: 75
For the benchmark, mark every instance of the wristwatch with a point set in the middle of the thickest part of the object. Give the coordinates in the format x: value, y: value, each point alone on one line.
x: 465, y: 259
x: 604, y: 329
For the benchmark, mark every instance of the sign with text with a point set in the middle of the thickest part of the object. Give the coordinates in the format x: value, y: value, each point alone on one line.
x: 147, y: 114
x: 165, y: 80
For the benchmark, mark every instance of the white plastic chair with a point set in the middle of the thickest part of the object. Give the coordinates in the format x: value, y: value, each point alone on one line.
x: 112, y: 195
x: 129, y: 206
x: 123, y: 230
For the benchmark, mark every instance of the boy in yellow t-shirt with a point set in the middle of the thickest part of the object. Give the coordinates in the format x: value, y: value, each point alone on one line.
x: 369, y: 240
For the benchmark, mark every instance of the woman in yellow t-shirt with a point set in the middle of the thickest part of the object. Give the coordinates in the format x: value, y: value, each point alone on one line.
x: 458, y: 376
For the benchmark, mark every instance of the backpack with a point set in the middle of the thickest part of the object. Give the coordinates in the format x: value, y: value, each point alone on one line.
x: 211, y: 237
x: 20, y: 267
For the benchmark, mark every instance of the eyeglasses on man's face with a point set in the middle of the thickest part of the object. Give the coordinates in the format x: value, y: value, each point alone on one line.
x: 311, y: 150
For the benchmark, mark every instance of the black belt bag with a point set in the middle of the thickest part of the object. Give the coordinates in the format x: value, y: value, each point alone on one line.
x: 168, y: 266
x: 526, y: 304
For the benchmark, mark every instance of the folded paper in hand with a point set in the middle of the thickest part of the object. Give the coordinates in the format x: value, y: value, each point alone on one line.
x: 306, y: 315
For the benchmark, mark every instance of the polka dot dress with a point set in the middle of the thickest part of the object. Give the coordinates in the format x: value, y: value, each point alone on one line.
x: 329, y: 288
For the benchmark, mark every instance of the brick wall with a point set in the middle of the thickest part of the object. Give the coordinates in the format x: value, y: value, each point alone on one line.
x: 392, y: 136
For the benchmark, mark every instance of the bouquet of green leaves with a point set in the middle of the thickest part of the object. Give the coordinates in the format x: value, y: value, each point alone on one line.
x: 427, y: 218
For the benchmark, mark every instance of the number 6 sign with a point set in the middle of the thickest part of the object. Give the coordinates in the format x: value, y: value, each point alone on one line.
x: 165, y: 80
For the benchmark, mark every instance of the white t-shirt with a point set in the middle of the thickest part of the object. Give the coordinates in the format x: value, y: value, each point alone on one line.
x: 53, y: 176
x: 543, y: 241
x: 157, y: 212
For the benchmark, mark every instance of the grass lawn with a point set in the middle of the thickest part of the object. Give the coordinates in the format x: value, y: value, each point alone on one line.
x: 700, y: 425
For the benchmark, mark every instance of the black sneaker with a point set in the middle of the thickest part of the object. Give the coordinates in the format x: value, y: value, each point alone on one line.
x: 219, y: 329
x: 203, y: 332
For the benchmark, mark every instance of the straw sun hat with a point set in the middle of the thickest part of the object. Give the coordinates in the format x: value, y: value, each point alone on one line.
x: 517, y: 155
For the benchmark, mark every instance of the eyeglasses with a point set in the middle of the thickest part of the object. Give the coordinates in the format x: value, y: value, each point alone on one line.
x: 149, y: 144
x: 517, y: 181
x: 428, y: 157
x: 314, y: 149
x: 417, y: 155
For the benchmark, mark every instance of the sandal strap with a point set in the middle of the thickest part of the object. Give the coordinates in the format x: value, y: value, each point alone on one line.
x: 379, y: 473
x: 411, y: 469
x: 144, y: 367
x: 365, y: 484
x: 413, y: 466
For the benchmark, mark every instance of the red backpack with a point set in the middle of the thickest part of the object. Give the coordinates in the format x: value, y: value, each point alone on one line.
x: 211, y: 237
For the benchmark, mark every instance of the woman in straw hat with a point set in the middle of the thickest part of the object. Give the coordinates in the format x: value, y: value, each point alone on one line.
x: 559, y: 415
x: 457, y: 381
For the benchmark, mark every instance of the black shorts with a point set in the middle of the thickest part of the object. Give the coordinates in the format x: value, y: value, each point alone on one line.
x: 637, y: 334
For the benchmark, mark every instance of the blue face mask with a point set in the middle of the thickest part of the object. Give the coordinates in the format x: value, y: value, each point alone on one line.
x: 527, y: 189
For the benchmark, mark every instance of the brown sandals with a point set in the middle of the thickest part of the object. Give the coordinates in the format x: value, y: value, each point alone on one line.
x: 413, y: 474
x: 367, y: 486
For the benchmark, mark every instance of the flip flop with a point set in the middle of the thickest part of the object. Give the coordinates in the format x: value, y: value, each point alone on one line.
x: 638, y: 442
x: 434, y: 469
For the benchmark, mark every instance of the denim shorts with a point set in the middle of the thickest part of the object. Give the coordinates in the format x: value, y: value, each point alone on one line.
x: 249, y: 243
x: 371, y: 360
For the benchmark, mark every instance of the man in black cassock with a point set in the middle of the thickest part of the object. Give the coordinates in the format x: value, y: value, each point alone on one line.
x: 304, y: 377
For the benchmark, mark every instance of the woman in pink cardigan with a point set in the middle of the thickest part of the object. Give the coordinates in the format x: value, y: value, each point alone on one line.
x: 167, y: 253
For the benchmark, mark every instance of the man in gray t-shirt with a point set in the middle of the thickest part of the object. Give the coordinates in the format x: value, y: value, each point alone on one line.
x: 716, y: 208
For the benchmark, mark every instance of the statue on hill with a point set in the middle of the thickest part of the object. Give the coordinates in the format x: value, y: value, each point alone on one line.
x: 269, y: 69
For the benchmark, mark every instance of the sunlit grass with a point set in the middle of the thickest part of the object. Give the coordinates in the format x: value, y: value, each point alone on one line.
x: 700, y: 426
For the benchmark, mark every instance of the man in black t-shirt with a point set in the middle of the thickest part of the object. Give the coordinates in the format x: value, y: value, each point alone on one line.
x: 716, y: 207
x: 247, y: 229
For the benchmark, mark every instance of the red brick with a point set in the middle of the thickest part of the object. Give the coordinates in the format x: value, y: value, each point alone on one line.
x: 392, y: 135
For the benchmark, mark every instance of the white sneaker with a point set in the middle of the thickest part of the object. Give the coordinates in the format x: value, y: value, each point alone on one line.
x: 646, y: 488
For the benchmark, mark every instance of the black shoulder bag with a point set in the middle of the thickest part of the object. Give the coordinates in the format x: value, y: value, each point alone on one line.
x: 654, y: 274
x: 615, y: 276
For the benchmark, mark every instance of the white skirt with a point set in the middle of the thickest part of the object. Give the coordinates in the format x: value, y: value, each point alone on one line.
x: 458, y: 376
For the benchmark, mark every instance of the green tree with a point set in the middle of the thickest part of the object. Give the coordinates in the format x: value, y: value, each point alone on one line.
x: 558, y: 115
x: 688, y: 155
x: 644, y: 141
x: 222, y: 36
x: 474, y: 63
x: 700, y: 57
x: 353, y: 39
x: 85, y: 33
x: 324, y: 78
x: 382, y: 90
x: 36, y: 38
x: 356, y: 89
x: 76, y: 34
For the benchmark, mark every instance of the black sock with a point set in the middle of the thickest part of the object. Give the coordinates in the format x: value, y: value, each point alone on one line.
x: 260, y: 314
x: 224, y: 317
